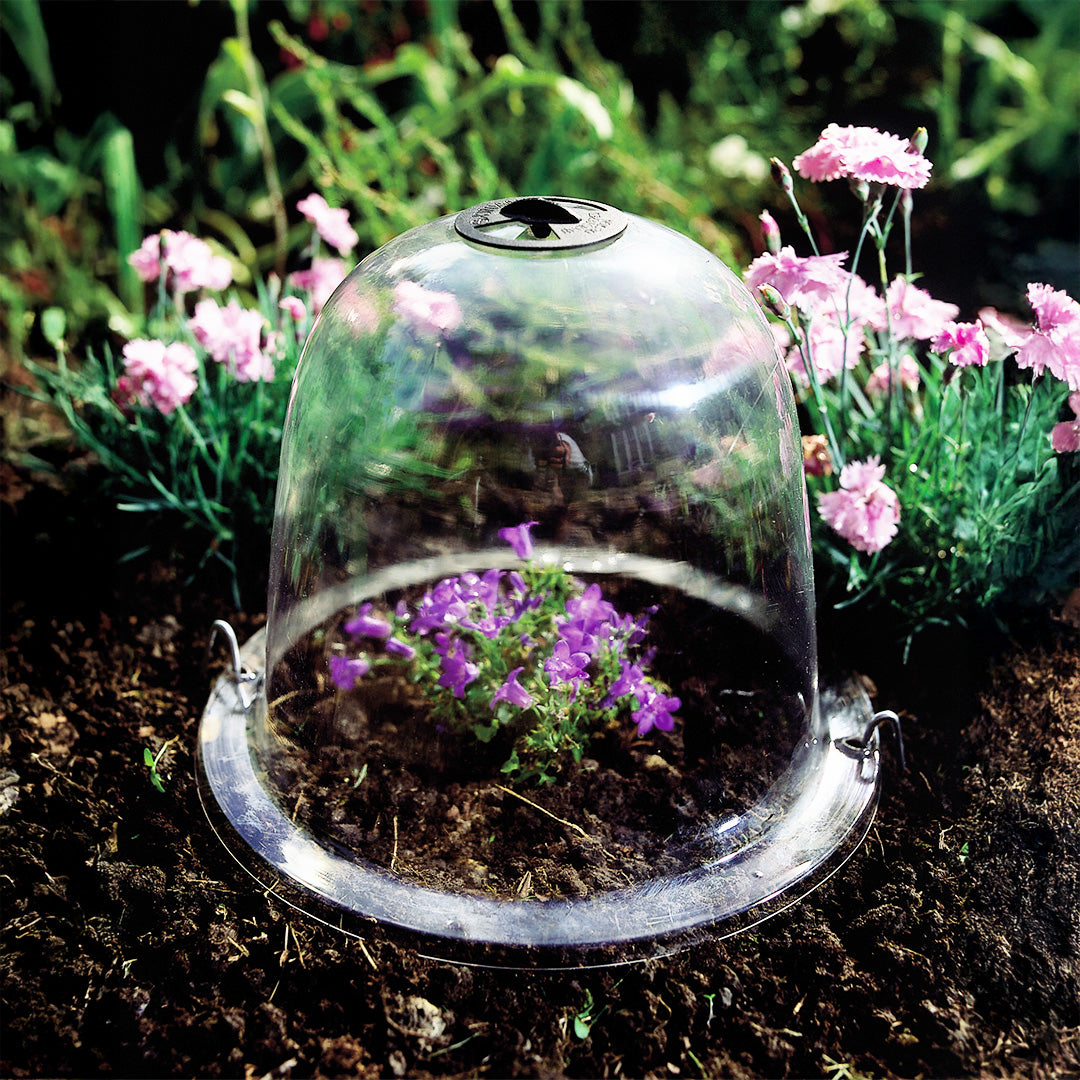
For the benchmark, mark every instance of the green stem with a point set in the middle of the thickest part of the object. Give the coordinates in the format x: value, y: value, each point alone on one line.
x: 806, y: 353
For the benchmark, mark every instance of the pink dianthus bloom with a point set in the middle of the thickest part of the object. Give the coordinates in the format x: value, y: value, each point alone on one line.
x: 831, y: 349
x: 158, y: 374
x: 861, y: 302
x: 1005, y: 332
x: 966, y: 344
x: 189, y: 262
x: 864, y: 153
x: 1055, y: 342
x: 293, y: 306
x: 331, y: 224
x: 807, y: 282
x: 907, y: 375
x: 865, y: 511
x: 320, y: 280
x: 232, y: 335
x: 425, y: 308
x: 914, y: 313
x: 1066, y: 435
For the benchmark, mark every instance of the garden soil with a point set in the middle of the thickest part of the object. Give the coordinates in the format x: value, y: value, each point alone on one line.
x: 133, y: 945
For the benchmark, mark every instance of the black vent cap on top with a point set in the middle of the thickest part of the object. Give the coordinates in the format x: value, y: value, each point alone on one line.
x: 546, y: 223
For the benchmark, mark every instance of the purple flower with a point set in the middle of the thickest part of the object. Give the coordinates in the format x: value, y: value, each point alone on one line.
x: 519, y: 539
x: 489, y: 625
x: 345, y: 670
x: 577, y: 637
x: 590, y: 609
x: 564, y: 666
x: 400, y: 648
x: 366, y: 625
x: 458, y: 672
x: 655, y: 711
x: 439, y: 607
x: 483, y: 590
x: 631, y: 680
x: 513, y: 691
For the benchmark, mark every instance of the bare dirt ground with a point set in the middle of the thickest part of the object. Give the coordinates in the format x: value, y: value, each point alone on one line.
x: 132, y: 944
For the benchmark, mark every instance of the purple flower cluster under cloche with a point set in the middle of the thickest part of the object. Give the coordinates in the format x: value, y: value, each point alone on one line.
x: 519, y: 646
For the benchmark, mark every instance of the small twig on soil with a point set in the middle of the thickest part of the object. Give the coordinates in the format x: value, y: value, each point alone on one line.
x: 364, y: 949
x: 393, y: 854
x: 299, y: 951
x: 554, y: 817
x: 63, y: 776
x: 562, y: 821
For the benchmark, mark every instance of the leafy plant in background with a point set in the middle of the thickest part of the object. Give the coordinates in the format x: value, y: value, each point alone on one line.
x: 944, y: 475
x: 394, y: 113
x: 187, y: 420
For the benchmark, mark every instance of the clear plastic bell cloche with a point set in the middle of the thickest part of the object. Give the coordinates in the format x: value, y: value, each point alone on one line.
x: 539, y: 678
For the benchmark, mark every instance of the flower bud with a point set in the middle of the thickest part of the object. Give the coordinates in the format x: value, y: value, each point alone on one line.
x: 782, y: 175
x: 917, y: 143
x: 861, y: 189
x: 774, y: 301
x: 770, y: 231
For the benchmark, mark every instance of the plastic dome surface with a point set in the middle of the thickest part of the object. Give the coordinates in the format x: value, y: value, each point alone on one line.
x: 539, y: 680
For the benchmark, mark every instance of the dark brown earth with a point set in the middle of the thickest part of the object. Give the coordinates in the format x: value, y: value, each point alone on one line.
x: 134, y: 946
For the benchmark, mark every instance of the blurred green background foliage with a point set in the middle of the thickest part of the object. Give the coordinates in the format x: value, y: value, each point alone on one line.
x: 218, y: 117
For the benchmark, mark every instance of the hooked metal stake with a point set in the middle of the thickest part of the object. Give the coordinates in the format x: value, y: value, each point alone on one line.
x: 863, y: 747
x: 246, y: 682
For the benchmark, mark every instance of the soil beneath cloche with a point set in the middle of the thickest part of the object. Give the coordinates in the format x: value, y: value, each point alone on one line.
x: 369, y: 773
x: 133, y: 945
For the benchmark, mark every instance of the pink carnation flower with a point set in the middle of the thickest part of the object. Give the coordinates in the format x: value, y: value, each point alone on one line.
x: 865, y: 511
x: 966, y: 344
x: 1005, y: 332
x: 293, y: 306
x: 861, y: 303
x: 864, y: 153
x: 320, y: 280
x: 1055, y: 342
x: 158, y: 374
x: 232, y: 336
x: 831, y: 350
x: 914, y: 313
x: 907, y: 375
x: 331, y: 224
x: 1066, y: 435
x: 807, y: 282
x: 189, y: 262
x: 426, y: 309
